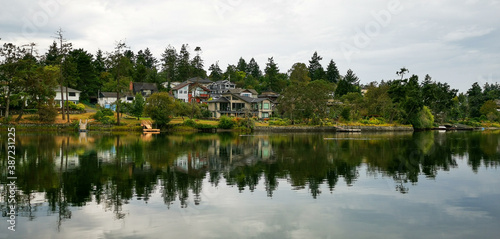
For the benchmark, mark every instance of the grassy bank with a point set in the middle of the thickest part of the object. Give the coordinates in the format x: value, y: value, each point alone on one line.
x: 178, y: 124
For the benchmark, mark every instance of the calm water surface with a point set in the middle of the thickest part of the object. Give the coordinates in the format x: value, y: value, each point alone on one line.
x: 397, y: 185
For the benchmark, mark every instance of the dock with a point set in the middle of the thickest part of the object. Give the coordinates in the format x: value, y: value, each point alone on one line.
x: 83, y: 125
x: 147, y: 127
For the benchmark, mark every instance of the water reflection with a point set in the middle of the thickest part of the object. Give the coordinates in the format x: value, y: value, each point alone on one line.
x: 65, y: 171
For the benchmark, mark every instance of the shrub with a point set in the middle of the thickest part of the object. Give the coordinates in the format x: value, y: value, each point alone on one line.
x: 424, y: 120
x: 190, y: 123
x: 248, y: 123
x: 108, y: 120
x: 225, y: 123
x: 279, y: 122
x: 80, y: 107
x: 160, y: 107
x: 47, y: 113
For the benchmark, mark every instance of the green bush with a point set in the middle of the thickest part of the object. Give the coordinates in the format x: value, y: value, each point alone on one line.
x: 47, y: 113
x: 80, y: 107
x: 107, y: 112
x: 248, y: 123
x: 108, y: 120
x: 190, y: 123
x: 279, y: 122
x: 346, y: 113
x: 424, y: 120
x: 225, y: 123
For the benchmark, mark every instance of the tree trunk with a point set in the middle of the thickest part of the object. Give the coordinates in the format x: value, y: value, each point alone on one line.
x: 23, y: 105
x: 7, y: 103
x: 118, y: 100
x: 62, y: 102
x: 67, y: 104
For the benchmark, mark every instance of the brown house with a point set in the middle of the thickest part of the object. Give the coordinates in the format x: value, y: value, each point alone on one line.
x: 239, y: 103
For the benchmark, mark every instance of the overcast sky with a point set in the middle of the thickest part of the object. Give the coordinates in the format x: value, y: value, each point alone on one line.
x: 454, y: 41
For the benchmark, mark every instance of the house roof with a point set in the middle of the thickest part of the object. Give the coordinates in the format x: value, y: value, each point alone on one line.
x: 238, y: 91
x: 181, y: 85
x: 199, y: 80
x: 196, y: 85
x: 138, y: 86
x: 250, y: 99
x: 58, y: 89
x: 112, y: 95
x: 219, y: 100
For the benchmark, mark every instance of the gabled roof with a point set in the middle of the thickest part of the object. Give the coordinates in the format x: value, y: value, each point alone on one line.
x: 249, y: 99
x: 181, y: 85
x: 139, y: 86
x: 113, y: 95
x: 239, y: 91
x: 58, y: 89
x: 199, y: 80
x: 196, y: 85
x: 219, y: 100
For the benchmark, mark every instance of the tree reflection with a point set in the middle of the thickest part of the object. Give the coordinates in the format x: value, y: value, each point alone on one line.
x: 113, y: 169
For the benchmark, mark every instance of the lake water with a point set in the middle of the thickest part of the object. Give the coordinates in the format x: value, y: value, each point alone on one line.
x: 279, y: 185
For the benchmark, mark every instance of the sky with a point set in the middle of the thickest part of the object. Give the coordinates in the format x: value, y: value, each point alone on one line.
x: 454, y: 41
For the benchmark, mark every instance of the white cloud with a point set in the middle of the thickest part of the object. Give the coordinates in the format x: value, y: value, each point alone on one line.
x: 423, y: 36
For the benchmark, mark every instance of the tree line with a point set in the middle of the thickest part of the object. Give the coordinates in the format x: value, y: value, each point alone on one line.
x: 309, y: 92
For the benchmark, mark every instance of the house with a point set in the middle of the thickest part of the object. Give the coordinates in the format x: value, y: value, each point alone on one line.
x: 191, y: 92
x: 240, y: 102
x: 108, y: 99
x: 73, y: 95
x: 220, y: 87
x: 146, y: 89
x: 498, y: 105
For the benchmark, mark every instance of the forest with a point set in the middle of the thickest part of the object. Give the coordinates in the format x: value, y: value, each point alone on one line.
x: 310, y: 93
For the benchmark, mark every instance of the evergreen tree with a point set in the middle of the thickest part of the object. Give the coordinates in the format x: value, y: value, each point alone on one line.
x: 169, y: 63
x: 350, y: 83
x: 271, y: 75
x: 475, y: 99
x: 183, y: 64
x: 52, y: 55
x: 253, y: 69
x: 332, y: 73
x: 86, y: 75
x: 316, y: 71
x: 215, y: 72
x: 197, y: 64
x: 138, y: 106
x: 242, y: 65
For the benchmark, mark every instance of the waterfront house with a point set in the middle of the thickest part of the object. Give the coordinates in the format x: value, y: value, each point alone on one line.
x: 191, y: 92
x: 73, y: 95
x: 146, y: 89
x: 239, y: 103
x: 108, y: 99
x: 220, y: 87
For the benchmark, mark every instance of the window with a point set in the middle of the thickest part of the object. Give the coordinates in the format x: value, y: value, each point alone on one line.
x: 72, y: 93
x: 266, y: 106
x: 129, y: 98
x: 265, y: 115
x: 246, y: 94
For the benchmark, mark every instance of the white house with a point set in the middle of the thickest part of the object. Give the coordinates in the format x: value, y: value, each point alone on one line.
x: 107, y: 99
x: 181, y: 91
x: 74, y: 95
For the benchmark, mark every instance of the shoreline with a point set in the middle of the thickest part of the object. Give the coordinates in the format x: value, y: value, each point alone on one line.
x: 128, y: 128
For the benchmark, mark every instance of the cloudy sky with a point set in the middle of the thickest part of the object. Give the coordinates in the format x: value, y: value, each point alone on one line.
x: 454, y: 41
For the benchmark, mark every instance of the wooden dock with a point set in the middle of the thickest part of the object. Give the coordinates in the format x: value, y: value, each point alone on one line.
x: 83, y: 125
x: 147, y: 126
